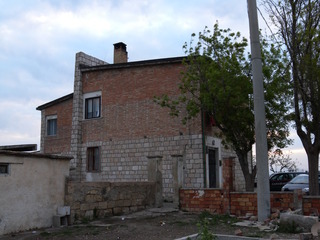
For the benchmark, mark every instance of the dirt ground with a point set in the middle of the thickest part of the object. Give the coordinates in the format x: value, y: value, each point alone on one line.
x: 151, y: 225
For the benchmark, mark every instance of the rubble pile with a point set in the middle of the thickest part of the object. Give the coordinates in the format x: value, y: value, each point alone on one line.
x: 308, y: 226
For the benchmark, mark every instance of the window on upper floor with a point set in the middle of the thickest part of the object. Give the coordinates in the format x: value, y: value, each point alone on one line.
x: 92, y: 105
x: 4, y: 168
x: 52, y: 125
x: 93, y: 159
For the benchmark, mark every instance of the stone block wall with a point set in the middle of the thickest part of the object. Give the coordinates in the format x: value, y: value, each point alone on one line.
x: 77, y: 108
x: 131, y: 161
x: 99, y: 199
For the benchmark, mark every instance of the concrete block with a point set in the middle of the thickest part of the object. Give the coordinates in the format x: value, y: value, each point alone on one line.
x: 65, y: 210
x: 58, y: 221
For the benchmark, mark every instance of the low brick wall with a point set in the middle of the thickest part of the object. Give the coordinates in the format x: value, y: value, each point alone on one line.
x: 100, y: 199
x: 236, y: 203
x: 198, y: 200
x: 282, y: 201
x: 242, y: 203
x: 311, y: 205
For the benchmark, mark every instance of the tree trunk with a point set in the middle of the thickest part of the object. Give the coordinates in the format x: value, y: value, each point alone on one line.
x: 249, y: 177
x: 313, y: 164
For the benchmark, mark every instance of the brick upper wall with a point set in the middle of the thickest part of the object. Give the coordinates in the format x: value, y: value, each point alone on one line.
x: 61, y: 142
x: 133, y: 84
x: 128, y: 110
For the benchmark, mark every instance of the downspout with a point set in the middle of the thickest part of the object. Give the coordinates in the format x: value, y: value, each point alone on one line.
x: 203, y: 150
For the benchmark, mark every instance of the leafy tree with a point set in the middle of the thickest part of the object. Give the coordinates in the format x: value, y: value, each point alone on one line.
x: 298, y: 25
x: 285, y: 162
x: 218, y: 82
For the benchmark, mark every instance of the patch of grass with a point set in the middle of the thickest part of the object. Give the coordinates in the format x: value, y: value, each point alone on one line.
x: 75, y: 231
x: 45, y: 234
x: 67, y: 232
x: 289, y: 227
x: 255, y: 235
x: 179, y: 223
x: 204, y: 232
x: 85, y: 220
x: 217, y: 218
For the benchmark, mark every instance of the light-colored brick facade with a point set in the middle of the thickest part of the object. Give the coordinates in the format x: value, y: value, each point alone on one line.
x: 138, y: 140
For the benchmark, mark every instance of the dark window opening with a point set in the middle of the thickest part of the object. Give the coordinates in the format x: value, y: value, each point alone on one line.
x: 93, y: 161
x: 212, y: 169
x: 52, y: 127
x: 4, y: 168
x: 93, y: 107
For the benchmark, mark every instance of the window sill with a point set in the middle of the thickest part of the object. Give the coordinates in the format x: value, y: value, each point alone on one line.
x: 91, y: 119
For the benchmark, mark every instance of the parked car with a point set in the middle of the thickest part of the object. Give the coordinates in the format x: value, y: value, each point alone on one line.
x: 299, y: 182
x: 278, y: 180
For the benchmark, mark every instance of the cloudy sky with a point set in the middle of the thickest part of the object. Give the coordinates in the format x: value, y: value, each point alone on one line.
x: 39, y: 40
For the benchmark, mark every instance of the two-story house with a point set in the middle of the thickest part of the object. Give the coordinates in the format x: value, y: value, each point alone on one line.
x: 115, y: 131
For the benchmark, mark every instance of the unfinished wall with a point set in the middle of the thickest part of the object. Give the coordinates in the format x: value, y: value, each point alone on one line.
x: 100, y: 199
x: 32, y: 190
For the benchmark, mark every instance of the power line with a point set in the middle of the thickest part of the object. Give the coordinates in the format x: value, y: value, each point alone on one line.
x: 272, y: 34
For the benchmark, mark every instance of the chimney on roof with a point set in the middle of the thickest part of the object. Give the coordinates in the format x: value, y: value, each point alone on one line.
x: 120, y: 54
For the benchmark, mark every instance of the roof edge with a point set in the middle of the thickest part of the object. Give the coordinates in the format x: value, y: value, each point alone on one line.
x: 35, y: 154
x: 134, y: 64
x: 58, y: 100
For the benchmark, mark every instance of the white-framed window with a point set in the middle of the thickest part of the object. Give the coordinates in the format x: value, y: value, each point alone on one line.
x: 93, y: 159
x: 51, y: 125
x: 92, y: 105
x: 4, y: 168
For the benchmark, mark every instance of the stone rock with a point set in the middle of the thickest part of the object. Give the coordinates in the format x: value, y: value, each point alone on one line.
x: 265, y: 228
x: 249, y: 215
x: 275, y: 215
x: 314, y: 212
x: 315, y: 229
x: 306, y: 236
x: 253, y: 218
x: 305, y: 222
x: 238, y: 232
x: 274, y: 236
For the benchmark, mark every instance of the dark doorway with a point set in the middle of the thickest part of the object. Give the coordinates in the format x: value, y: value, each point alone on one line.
x: 212, y: 169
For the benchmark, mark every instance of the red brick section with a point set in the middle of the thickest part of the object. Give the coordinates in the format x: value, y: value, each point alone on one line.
x: 213, y: 200
x: 198, y: 200
x: 281, y: 201
x: 61, y: 142
x: 128, y: 108
x: 242, y: 203
x: 227, y: 173
x: 311, y: 205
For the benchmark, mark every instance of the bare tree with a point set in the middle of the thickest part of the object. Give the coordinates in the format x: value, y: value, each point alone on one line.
x: 298, y: 22
x: 283, y: 161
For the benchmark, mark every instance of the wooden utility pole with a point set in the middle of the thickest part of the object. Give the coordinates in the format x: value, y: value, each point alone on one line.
x: 263, y: 188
